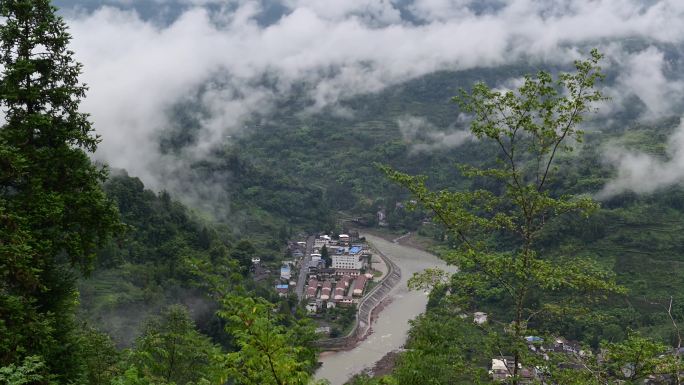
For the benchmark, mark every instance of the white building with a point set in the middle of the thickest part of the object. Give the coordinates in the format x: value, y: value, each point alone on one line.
x: 324, y: 240
x: 343, y: 261
x: 285, y: 273
x: 499, y: 371
x: 479, y: 317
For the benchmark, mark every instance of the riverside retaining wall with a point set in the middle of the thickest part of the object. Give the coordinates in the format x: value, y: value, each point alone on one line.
x: 365, y: 309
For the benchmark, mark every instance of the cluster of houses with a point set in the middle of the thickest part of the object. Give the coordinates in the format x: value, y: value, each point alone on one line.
x: 502, y: 367
x: 286, y: 281
x: 343, y: 281
x: 571, y: 355
x: 283, y: 287
x: 343, y: 290
x: 339, y: 279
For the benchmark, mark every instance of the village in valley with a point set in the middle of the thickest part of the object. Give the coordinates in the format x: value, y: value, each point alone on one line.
x: 330, y: 275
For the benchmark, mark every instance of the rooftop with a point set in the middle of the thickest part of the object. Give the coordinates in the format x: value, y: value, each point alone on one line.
x: 360, y: 282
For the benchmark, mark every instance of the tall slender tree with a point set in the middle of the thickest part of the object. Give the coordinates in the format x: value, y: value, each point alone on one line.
x: 497, y: 227
x: 53, y: 212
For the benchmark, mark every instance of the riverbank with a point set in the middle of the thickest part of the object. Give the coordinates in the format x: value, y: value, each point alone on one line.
x: 366, y: 307
x: 391, y: 327
x: 410, y: 239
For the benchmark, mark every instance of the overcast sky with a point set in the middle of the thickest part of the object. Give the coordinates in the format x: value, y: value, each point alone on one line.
x: 142, y: 57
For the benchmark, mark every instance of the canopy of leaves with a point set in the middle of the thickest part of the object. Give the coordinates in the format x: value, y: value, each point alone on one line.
x: 529, y: 126
x: 172, y: 351
x: 53, y: 212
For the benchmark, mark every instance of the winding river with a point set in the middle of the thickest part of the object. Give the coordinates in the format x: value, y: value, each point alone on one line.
x: 391, y: 327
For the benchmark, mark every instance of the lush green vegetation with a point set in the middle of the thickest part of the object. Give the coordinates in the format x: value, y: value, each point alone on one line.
x: 53, y: 212
x: 146, y: 268
x: 625, y: 233
x: 56, y: 217
x: 340, y: 319
x: 105, y: 282
x: 528, y: 252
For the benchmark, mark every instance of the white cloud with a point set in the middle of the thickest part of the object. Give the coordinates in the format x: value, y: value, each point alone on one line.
x: 644, y: 77
x: 138, y: 69
x: 426, y: 137
x: 380, y: 12
x: 643, y: 173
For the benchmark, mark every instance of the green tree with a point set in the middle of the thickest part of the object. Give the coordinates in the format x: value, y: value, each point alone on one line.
x: 442, y: 348
x: 496, y: 227
x: 170, y: 350
x: 269, y: 352
x: 325, y: 255
x: 631, y: 361
x: 31, y: 371
x: 365, y: 379
x: 243, y: 253
x: 53, y: 212
x: 100, y: 356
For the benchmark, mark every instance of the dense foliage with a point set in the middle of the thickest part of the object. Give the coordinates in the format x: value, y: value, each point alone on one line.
x: 623, y: 233
x: 171, y: 351
x: 531, y: 125
x: 175, y: 289
x: 56, y: 218
x: 53, y: 212
x: 503, y: 235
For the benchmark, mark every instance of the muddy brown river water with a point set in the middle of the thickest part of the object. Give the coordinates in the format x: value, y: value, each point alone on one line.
x: 391, y: 327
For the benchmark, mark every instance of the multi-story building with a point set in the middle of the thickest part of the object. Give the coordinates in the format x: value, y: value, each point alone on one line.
x: 347, y: 261
x: 323, y: 240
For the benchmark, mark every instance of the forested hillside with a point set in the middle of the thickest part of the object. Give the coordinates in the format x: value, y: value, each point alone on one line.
x: 103, y: 281
x: 145, y: 275
x: 147, y: 268
x: 339, y: 156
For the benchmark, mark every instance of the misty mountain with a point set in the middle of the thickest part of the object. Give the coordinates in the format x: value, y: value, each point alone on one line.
x: 269, y: 11
x: 245, y: 65
x: 166, y: 12
x: 283, y: 119
x: 274, y: 114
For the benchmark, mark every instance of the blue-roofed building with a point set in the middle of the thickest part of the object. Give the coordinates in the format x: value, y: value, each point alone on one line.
x: 355, y: 250
x: 534, y: 339
x: 285, y: 272
x: 282, y: 290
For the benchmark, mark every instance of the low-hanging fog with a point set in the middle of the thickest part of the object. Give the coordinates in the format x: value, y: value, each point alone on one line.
x: 236, y: 58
